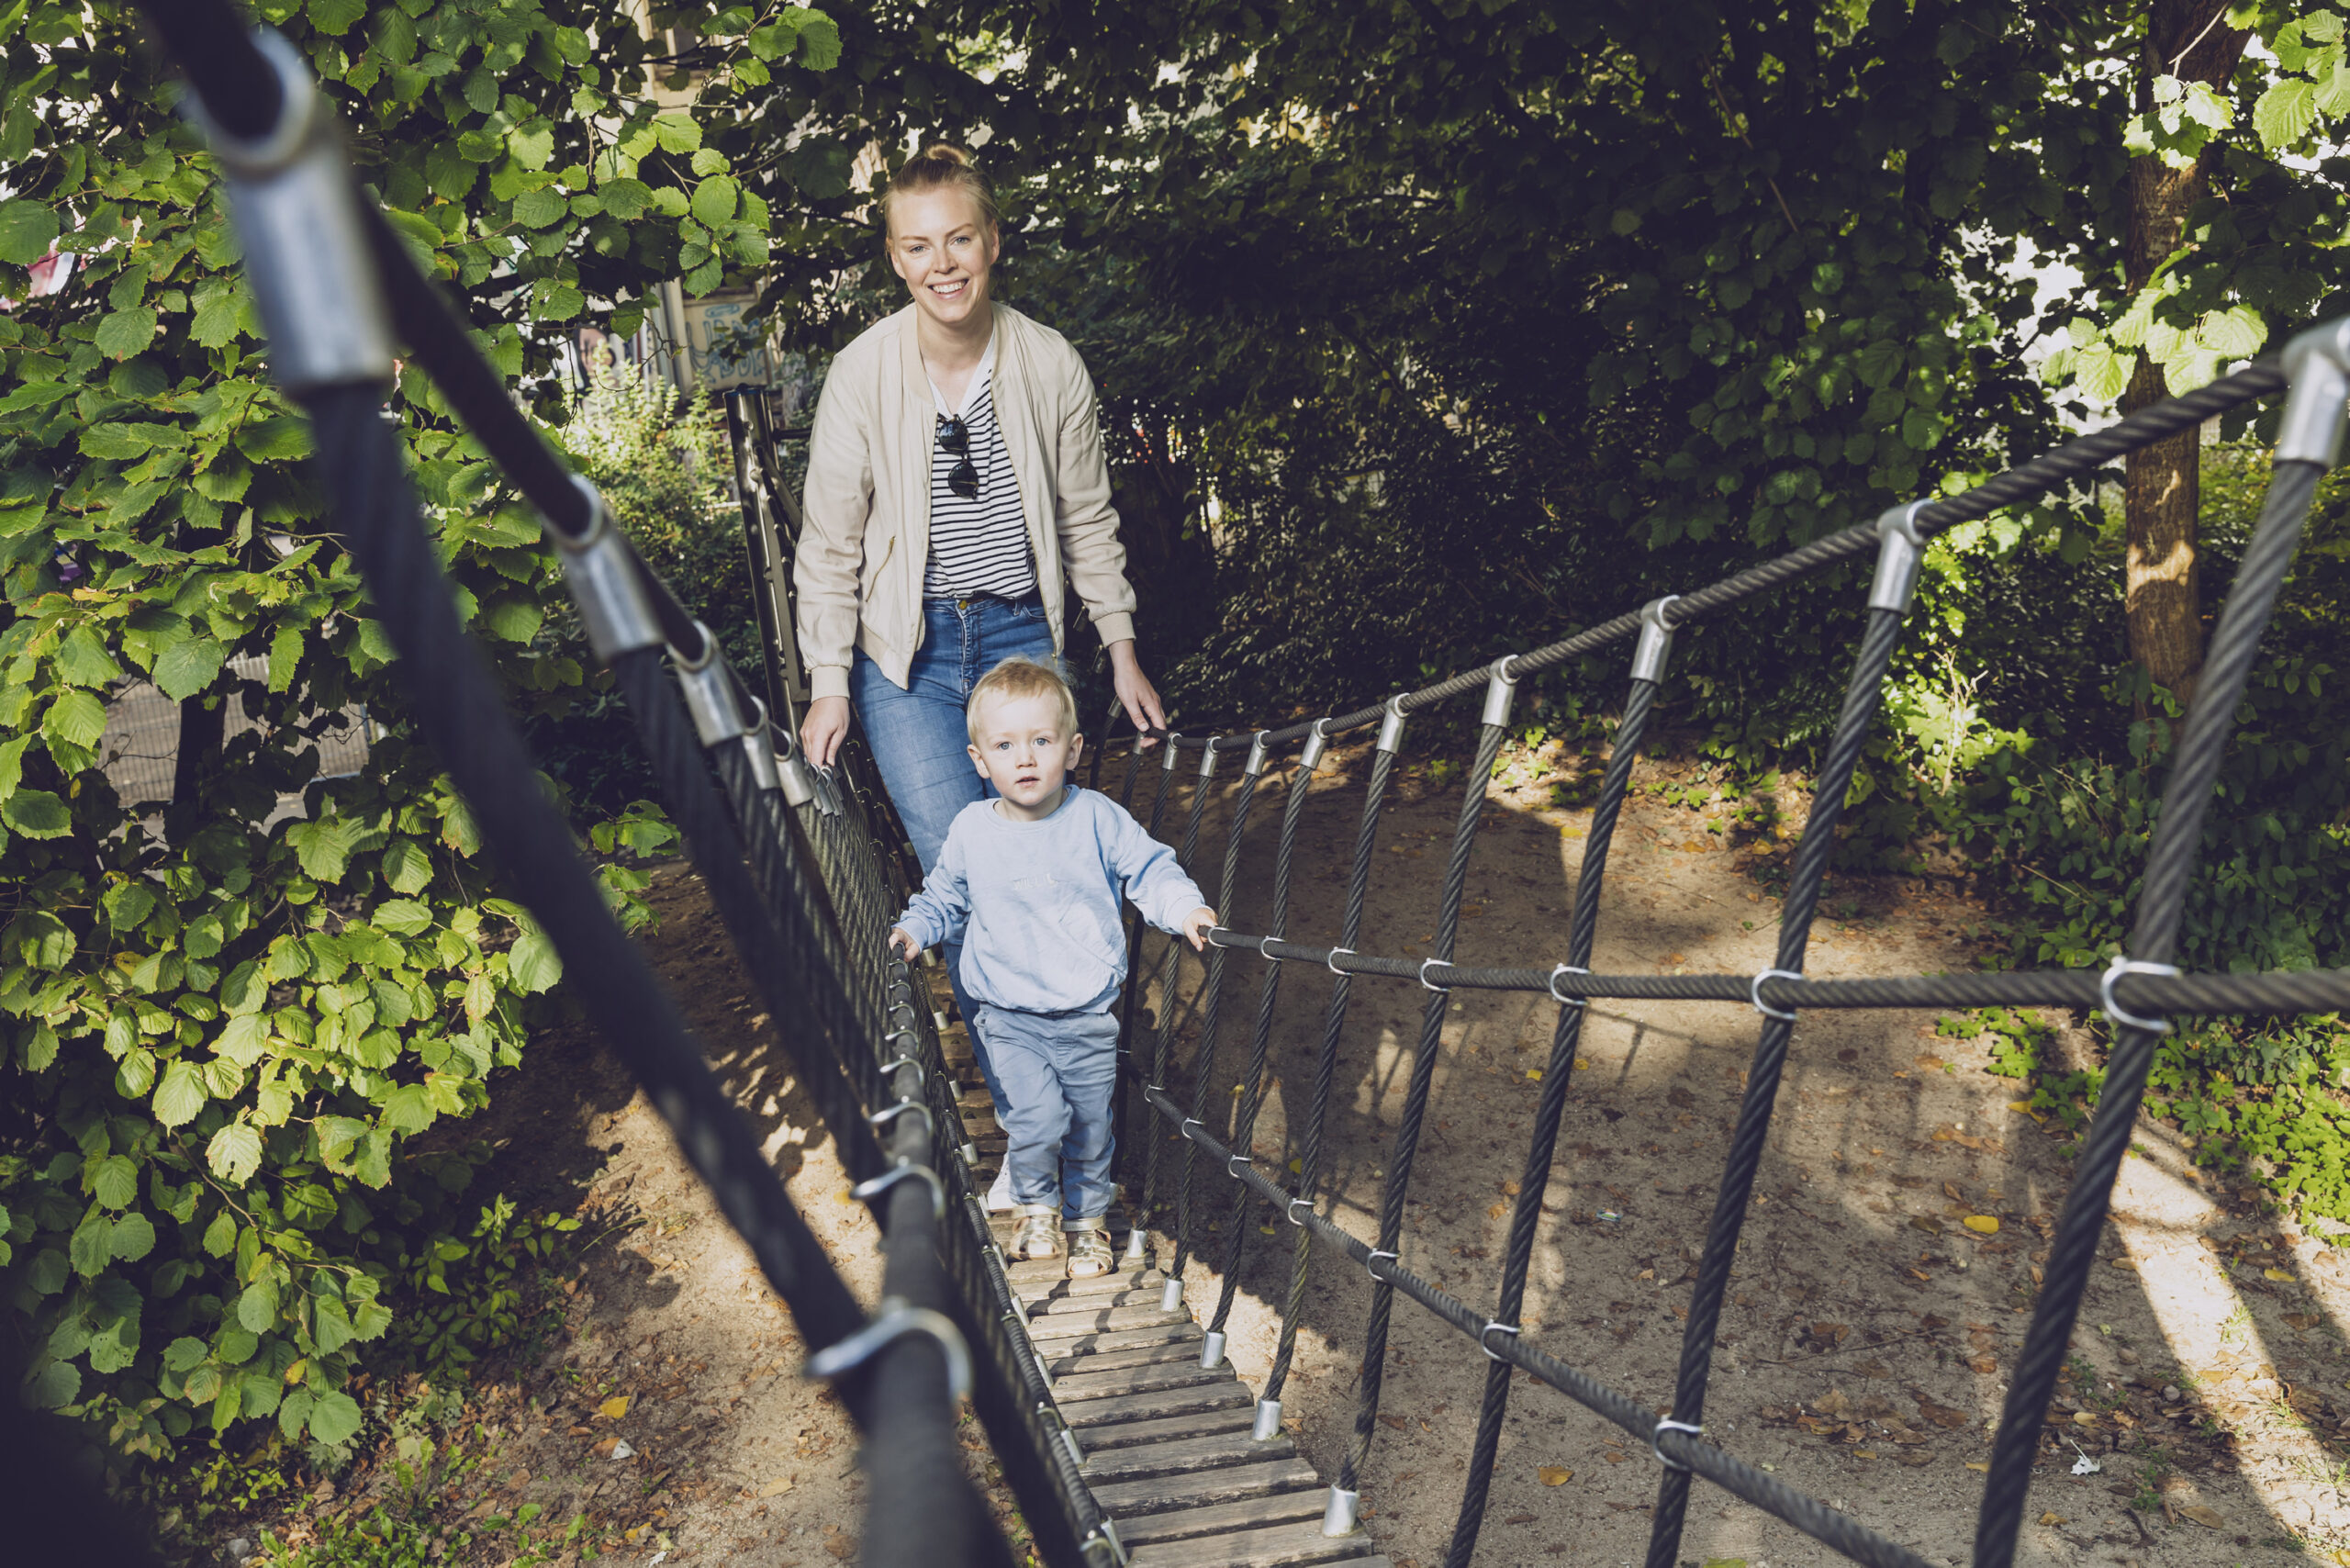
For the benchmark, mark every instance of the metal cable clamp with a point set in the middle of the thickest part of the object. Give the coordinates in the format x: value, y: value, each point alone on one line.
x: 1166, y: 763
x: 1317, y: 741
x: 1331, y: 960
x: 1207, y: 755
x: 888, y: 1113
x: 1256, y: 762
x: 1567, y: 1000
x: 1291, y: 1209
x: 1654, y: 649
x: 895, y: 1320
x: 2317, y: 363
x: 1448, y: 963
x: 1375, y: 1256
x: 1508, y: 1329
x: 1232, y: 1159
x: 1501, y: 688
x: 1261, y: 947
x: 708, y: 688
x: 1391, y: 724
x: 2113, y: 1010
x: 875, y: 1187
x: 1669, y: 1425
x: 1901, y: 550
x: 758, y: 745
x: 600, y: 569
x: 1105, y: 1534
x: 1754, y: 995
x: 1051, y: 1416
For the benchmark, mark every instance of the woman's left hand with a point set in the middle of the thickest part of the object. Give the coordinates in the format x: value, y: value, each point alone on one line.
x: 1136, y: 694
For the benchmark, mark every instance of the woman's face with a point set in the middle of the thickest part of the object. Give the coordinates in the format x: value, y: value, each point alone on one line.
x: 942, y: 246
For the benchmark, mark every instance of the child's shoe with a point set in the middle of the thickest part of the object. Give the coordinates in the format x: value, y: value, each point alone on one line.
x: 1089, y: 1247
x: 1039, y: 1235
x: 1000, y: 1198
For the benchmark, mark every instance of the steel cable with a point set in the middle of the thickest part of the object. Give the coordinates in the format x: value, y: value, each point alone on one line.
x: 1188, y: 857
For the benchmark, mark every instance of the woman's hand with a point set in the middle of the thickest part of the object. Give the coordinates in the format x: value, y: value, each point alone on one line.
x: 827, y: 725
x: 902, y: 945
x: 1136, y: 694
x: 1197, y: 925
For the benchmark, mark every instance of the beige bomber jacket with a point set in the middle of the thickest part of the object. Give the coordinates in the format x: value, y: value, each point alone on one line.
x: 865, y: 537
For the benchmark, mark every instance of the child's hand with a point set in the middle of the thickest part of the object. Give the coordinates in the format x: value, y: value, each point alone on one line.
x: 902, y: 945
x: 1197, y: 925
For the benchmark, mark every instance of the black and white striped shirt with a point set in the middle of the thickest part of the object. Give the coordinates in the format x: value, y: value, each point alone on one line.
x: 979, y: 544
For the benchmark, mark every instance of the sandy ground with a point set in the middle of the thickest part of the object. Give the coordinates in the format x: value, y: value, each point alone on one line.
x: 1863, y: 1355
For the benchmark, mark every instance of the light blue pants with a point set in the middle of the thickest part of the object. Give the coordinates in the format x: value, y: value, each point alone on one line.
x: 1059, y: 1068
x: 919, y: 733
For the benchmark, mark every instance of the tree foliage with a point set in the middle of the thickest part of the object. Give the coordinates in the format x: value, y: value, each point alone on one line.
x: 224, y: 1026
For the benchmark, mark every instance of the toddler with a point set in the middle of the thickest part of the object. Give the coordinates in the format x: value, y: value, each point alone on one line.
x: 1031, y: 881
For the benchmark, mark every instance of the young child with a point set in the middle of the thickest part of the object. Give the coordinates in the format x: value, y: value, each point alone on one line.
x: 1032, y: 880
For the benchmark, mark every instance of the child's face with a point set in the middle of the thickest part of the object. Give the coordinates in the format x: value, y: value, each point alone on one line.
x: 1024, y: 752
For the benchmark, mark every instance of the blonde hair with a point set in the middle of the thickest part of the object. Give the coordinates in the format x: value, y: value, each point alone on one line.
x: 1018, y: 677
x: 937, y: 167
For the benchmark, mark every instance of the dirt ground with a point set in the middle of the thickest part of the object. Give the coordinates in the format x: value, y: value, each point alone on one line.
x: 1863, y: 1356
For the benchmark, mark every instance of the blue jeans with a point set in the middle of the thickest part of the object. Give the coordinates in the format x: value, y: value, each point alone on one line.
x: 920, y: 736
x: 1059, y: 1067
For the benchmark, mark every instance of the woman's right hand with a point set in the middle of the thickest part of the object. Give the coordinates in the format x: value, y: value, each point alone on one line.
x: 821, y: 732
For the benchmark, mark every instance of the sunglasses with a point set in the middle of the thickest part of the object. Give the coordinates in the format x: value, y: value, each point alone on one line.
x: 954, y: 436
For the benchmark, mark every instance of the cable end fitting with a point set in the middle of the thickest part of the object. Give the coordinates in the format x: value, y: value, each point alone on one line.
x: 1268, y: 1425
x: 1339, y: 1514
x: 709, y: 689
x: 1211, y: 1351
x: 1207, y: 757
x: 1391, y: 725
x: 1318, y: 743
x: 1654, y: 649
x: 795, y: 777
x: 758, y: 743
x: 600, y: 569
x: 1169, y: 751
x: 1256, y: 763
x: 2317, y: 363
x: 1170, y: 1295
x: 1501, y: 689
x: 1901, y: 551
x: 298, y: 218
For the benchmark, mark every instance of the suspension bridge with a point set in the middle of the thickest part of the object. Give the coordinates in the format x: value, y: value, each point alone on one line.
x: 1110, y: 1403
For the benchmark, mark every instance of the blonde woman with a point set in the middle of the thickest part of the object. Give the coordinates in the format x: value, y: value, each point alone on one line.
x: 956, y: 495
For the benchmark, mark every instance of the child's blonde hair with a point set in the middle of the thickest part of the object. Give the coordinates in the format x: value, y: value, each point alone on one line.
x: 1017, y: 677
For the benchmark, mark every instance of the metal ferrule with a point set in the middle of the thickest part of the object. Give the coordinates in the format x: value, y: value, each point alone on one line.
x: 1169, y: 752
x: 1391, y: 728
x: 708, y: 688
x: 1501, y: 686
x: 1170, y: 1295
x: 600, y: 569
x: 765, y: 772
x: 1076, y: 1454
x: 1135, y: 1253
x: 1339, y: 1513
x: 1901, y: 550
x: 1211, y: 1351
x: 969, y: 1152
x: 796, y: 778
x: 828, y: 799
x: 1268, y: 1425
x: 1318, y: 743
x: 1207, y: 757
x: 1654, y: 650
x: 2318, y: 364
x: 1256, y: 763
x: 298, y: 218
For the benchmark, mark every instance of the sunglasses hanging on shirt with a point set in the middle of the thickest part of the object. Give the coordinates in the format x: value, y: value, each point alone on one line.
x: 954, y: 436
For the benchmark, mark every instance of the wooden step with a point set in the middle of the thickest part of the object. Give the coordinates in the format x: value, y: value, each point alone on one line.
x: 1074, y: 1325
x: 1158, y: 1494
x: 1090, y: 1413
x: 1059, y: 1305
x: 1175, y: 1452
x: 1281, y: 1546
x: 1118, y: 1361
x: 1180, y: 1331
x: 1224, y: 1519
x: 1045, y: 1279
x: 1109, y: 1384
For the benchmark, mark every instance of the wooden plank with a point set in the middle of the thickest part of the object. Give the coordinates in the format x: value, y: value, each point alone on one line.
x: 1049, y: 1276
x: 1172, y: 1453
x: 1177, y: 1332
x: 1112, y: 1361
x: 1222, y: 1518
x: 1059, y: 1305
x: 1085, y: 1386
x: 1074, y: 1325
x: 1282, y: 1546
x: 1093, y: 1413
x: 1158, y: 1495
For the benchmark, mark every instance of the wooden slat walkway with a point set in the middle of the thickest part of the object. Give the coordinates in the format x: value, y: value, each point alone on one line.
x: 1166, y: 1444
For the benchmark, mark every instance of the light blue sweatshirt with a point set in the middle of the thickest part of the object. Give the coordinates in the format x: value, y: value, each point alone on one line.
x: 1036, y: 904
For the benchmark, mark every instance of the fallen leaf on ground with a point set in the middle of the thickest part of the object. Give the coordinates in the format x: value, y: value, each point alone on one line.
x: 2276, y: 1274
x: 1553, y: 1476
x: 2208, y: 1518
x: 1725, y: 1562
x: 1987, y: 1225
x: 2052, y: 1518
x: 612, y: 1409
x: 1978, y: 1464
x: 1941, y: 1415
x: 1983, y: 1364
x: 1520, y: 1519
x: 1394, y: 1421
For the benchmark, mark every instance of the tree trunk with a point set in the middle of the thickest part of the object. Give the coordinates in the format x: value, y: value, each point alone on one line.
x: 2160, y: 493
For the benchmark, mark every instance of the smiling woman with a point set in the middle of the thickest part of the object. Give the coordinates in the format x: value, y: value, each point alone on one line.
x: 956, y: 497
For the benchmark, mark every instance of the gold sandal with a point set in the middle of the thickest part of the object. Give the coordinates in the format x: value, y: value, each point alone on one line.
x: 1039, y: 1235
x: 1089, y: 1248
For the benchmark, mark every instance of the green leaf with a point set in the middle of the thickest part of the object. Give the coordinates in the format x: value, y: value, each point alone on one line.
x: 187, y: 665
x: 77, y: 718
x: 127, y: 903
x: 134, y: 1236
x: 292, y: 1413
x: 2232, y: 334
x: 53, y: 1387
x: 91, y: 1248
x: 281, y: 439
x: 27, y: 229
x: 180, y: 1096
x: 285, y: 657
x: 2101, y: 373
x: 539, y: 208
x: 532, y: 963
x: 407, y: 1109
x: 333, y: 18
x: 257, y: 1308
x: 234, y: 1153
x: 675, y: 131
x: 820, y: 42
x: 37, y: 814
x: 714, y: 200
x: 116, y: 1184
x: 83, y: 659
x: 511, y: 620
x: 122, y: 333
x: 2284, y: 113
x: 245, y: 1041
x: 532, y: 144
x: 408, y: 869
x: 334, y: 1418
x: 220, y: 1236
x: 403, y: 917
x: 322, y: 847
x: 219, y: 311
x: 183, y: 1353
x: 626, y: 199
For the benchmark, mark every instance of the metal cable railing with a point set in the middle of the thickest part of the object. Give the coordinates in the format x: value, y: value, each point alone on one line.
x: 807, y: 871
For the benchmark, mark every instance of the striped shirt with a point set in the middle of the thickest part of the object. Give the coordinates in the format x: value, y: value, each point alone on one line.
x: 979, y: 544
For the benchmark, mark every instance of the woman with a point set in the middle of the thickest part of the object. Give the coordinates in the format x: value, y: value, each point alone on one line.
x: 956, y: 493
